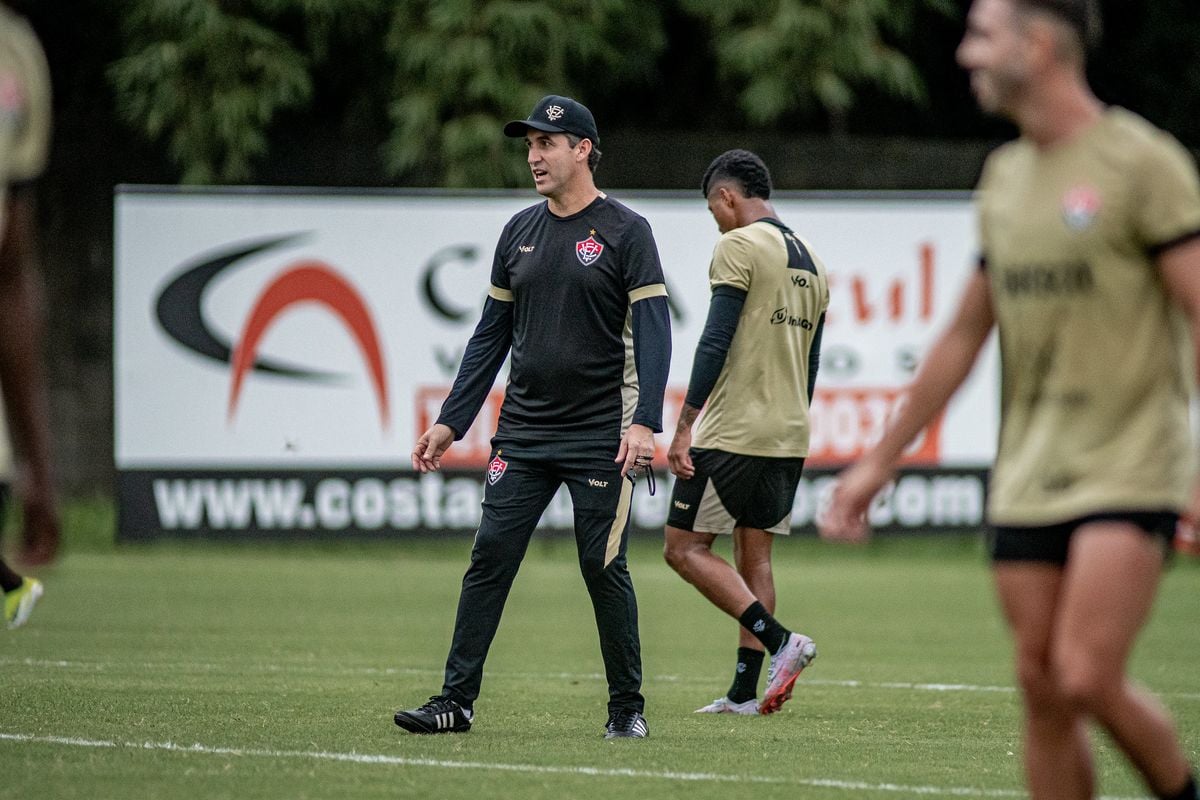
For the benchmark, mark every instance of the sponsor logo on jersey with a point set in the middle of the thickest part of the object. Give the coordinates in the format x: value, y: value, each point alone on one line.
x: 1080, y: 205
x: 597, y: 484
x: 1067, y: 278
x: 526, y: 248
x: 588, y: 250
x: 496, y: 469
x: 780, y: 316
x: 554, y: 113
x: 682, y: 506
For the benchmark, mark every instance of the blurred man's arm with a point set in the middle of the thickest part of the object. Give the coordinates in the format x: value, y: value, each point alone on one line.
x: 22, y: 375
x: 1180, y: 268
x: 942, y: 371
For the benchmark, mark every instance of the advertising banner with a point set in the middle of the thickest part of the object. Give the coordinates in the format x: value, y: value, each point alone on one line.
x: 278, y: 353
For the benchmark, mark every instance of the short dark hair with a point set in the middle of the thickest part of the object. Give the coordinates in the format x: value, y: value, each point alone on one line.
x: 1081, y: 16
x: 593, y: 156
x: 743, y: 168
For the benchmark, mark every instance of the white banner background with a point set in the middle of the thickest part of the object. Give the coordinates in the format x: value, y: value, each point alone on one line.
x: 897, y: 266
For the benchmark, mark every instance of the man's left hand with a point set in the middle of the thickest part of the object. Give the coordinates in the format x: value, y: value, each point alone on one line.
x: 637, y: 449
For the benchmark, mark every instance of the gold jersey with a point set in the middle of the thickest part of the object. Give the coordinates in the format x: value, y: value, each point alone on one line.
x: 1094, y: 396
x: 24, y: 130
x: 759, y: 405
x: 24, y: 101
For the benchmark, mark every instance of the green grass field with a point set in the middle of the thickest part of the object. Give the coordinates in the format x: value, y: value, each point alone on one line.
x: 272, y: 672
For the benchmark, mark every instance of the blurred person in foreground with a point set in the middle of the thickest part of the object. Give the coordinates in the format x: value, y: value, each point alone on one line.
x: 578, y: 296
x: 753, y: 375
x: 1090, y: 271
x: 24, y: 140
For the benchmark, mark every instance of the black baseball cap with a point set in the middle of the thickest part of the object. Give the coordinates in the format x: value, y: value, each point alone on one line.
x: 557, y: 114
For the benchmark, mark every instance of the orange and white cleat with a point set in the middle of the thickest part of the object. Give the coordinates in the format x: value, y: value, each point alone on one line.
x: 786, y: 665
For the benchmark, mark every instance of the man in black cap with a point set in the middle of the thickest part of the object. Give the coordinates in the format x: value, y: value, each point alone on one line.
x: 578, y: 296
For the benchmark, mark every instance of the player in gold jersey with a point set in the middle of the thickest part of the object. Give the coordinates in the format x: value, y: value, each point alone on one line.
x: 24, y: 139
x: 1090, y: 272
x: 753, y: 375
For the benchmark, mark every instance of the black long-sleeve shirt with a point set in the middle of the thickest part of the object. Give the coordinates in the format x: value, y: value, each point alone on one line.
x: 581, y: 303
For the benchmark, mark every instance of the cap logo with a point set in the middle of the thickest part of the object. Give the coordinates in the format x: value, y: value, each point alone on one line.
x: 554, y: 113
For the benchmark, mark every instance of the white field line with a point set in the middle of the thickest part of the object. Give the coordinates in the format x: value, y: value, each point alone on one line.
x: 320, y: 669
x: 536, y: 769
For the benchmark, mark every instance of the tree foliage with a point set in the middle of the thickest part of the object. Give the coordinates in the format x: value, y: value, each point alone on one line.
x: 464, y: 68
x: 794, y: 55
x: 210, y: 77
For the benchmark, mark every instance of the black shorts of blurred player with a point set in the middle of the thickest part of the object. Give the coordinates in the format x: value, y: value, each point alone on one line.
x: 1052, y: 543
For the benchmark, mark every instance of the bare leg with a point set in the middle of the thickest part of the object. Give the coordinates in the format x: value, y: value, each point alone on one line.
x: 1057, y: 755
x: 1112, y: 576
x: 752, y: 556
x: 690, y: 554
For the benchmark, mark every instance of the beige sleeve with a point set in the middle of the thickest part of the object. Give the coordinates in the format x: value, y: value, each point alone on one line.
x: 732, y: 262
x: 1167, y: 207
x: 26, y: 92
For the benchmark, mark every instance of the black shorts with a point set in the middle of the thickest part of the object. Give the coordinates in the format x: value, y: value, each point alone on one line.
x: 730, y: 491
x: 1050, y: 543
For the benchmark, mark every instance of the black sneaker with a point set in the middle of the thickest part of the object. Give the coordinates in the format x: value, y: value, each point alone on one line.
x: 439, y: 715
x: 626, y: 724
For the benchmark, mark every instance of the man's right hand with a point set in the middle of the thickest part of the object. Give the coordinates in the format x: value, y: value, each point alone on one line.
x: 679, y: 456
x: 427, y: 455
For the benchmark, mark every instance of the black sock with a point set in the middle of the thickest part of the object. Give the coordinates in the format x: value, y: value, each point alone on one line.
x: 765, y: 628
x: 9, y: 580
x: 1187, y: 793
x: 745, y: 677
